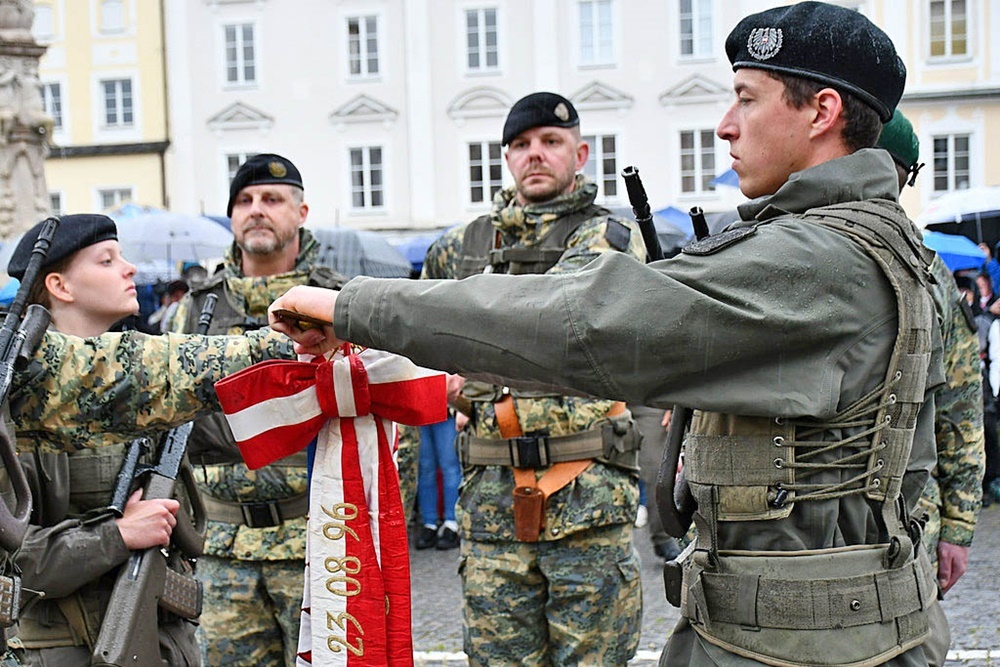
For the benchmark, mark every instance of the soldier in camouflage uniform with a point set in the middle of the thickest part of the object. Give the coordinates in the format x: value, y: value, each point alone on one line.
x: 950, y: 502
x: 73, y: 405
x: 572, y: 596
x: 255, y: 544
x: 803, y: 335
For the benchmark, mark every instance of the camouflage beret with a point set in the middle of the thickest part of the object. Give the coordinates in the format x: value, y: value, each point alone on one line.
x: 826, y: 43
x: 263, y: 168
x: 74, y: 232
x: 539, y: 110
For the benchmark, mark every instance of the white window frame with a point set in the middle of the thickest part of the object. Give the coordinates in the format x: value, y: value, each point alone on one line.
x: 50, y: 106
x: 366, y: 189
x: 699, y: 32
x: 703, y: 176
x: 57, y: 202
x: 482, y: 48
x: 590, y: 10
x: 120, y: 121
x: 43, y: 11
x: 104, y: 8
x: 595, y: 171
x: 486, y: 163
x: 950, y: 157
x: 119, y: 194
x: 949, y: 37
x: 241, y: 63
x: 364, y: 55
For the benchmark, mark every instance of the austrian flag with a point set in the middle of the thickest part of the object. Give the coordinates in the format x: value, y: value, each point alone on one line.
x: 356, y: 599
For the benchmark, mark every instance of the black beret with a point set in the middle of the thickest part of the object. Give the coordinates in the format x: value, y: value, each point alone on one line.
x: 263, y: 168
x: 539, y: 110
x: 73, y: 233
x: 826, y: 43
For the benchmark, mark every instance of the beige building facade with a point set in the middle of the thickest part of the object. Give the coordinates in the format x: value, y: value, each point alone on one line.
x: 103, y: 82
x: 393, y: 109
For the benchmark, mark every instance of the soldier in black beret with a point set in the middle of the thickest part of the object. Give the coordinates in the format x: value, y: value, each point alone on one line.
x: 272, y: 251
x: 74, y: 233
x: 803, y: 335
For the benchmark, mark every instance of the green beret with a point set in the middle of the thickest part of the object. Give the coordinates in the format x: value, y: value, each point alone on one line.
x: 263, y: 168
x: 901, y: 142
x: 539, y: 110
x: 74, y: 232
x: 826, y: 43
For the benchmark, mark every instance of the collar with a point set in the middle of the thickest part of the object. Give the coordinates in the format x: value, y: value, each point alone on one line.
x: 866, y: 174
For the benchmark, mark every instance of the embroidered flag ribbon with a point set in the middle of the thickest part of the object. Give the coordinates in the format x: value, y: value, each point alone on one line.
x: 356, y: 598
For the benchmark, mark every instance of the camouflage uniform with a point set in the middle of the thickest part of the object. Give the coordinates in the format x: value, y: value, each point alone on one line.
x: 75, y: 401
x: 573, y: 597
x: 953, y: 493
x: 407, y: 458
x: 252, y: 573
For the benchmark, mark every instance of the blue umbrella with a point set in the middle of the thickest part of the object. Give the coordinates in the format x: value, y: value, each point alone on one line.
x: 728, y: 177
x: 415, y: 249
x: 676, y: 217
x: 8, y: 291
x: 958, y: 252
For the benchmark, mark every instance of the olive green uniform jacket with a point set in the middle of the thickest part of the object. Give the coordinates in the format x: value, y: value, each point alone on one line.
x: 788, y: 320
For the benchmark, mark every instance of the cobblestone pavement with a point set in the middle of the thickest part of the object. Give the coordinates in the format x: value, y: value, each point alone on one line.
x: 972, y: 606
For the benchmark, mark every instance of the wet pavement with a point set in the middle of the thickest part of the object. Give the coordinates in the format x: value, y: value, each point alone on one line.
x: 972, y: 606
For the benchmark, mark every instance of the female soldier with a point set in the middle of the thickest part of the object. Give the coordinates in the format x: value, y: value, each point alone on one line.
x: 74, y: 548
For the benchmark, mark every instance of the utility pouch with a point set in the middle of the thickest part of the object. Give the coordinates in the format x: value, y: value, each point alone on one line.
x: 529, y: 511
x: 10, y: 599
x: 673, y: 577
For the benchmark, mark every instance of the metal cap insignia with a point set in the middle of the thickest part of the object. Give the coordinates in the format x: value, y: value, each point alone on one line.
x: 764, y: 43
x: 561, y: 112
x: 277, y: 169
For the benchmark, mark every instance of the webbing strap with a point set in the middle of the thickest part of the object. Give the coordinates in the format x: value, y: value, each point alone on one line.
x: 752, y: 600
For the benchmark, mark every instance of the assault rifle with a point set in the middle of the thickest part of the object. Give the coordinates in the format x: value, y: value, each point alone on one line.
x: 20, y: 333
x: 155, y: 577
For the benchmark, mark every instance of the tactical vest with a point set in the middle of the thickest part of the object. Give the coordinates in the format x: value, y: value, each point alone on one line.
x: 859, y: 605
x: 479, y: 251
x: 615, y: 441
x: 211, y: 441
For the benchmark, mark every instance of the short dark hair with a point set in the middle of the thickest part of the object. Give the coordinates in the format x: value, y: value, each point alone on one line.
x: 39, y: 293
x: 863, y: 124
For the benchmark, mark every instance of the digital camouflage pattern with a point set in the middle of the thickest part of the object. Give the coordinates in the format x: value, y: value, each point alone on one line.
x: 573, y: 597
x: 262, y: 567
x: 601, y: 628
x: 113, y: 387
x: 234, y: 481
x: 408, y: 464
x: 952, y: 497
x: 603, y: 495
x: 232, y: 592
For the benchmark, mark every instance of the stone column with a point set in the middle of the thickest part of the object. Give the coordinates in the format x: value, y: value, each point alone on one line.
x: 25, y: 129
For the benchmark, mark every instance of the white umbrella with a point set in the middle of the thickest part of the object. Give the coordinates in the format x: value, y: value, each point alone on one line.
x: 961, y: 205
x: 171, y: 237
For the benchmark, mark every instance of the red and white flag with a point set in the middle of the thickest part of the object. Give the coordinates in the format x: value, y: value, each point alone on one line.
x: 356, y: 598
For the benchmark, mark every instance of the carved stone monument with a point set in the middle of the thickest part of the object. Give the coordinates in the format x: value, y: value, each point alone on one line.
x: 25, y: 129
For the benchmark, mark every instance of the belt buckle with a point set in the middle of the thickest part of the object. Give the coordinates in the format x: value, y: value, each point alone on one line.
x: 530, y: 451
x: 262, y: 514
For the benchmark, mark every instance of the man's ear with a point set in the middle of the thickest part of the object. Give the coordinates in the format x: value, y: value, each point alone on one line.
x: 829, y: 112
x: 55, y: 283
x: 303, y: 213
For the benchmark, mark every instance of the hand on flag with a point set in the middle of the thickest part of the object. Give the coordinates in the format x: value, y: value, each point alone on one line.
x: 314, y: 303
